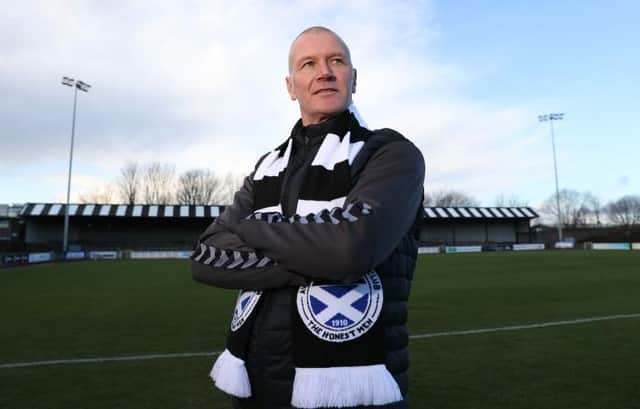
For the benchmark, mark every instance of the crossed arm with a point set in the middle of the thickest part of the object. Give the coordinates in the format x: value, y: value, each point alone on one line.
x: 338, y: 245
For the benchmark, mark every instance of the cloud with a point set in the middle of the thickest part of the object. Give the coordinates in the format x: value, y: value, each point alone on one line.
x: 624, y: 181
x: 201, y: 84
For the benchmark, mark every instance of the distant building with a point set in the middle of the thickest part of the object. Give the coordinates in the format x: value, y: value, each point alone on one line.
x: 11, y: 228
x: 589, y: 234
x: 5, y: 234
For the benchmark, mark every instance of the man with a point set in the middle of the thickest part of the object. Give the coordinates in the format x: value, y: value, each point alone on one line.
x: 320, y: 241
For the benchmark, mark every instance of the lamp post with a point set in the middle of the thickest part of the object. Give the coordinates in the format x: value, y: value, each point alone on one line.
x: 550, y: 118
x: 82, y: 86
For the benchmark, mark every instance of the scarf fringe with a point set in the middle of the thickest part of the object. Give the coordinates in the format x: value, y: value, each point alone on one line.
x: 340, y: 387
x: 230, y: 375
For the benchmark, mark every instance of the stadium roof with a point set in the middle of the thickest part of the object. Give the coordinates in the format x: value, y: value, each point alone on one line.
x: 480, y: 213
x: 120, y: 210
x: 197, y: 211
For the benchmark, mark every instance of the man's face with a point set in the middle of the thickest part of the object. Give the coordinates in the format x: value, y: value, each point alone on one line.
x: 320, y: 77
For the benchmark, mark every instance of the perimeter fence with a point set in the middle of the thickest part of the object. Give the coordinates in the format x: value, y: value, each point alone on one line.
x: 26, y: 258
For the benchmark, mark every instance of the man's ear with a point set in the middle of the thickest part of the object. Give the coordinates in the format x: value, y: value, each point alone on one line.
x: 290, y: 89
x: 355, y: 77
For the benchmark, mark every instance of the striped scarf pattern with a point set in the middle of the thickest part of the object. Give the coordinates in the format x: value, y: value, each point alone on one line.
x: 338, y: 339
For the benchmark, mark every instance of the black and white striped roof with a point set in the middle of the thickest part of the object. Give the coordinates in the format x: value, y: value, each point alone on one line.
x: 120, y: 210
x: 480, y: 213
x: 195, y: 211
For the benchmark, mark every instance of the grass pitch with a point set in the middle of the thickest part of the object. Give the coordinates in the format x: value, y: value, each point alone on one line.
x: 124, y: 308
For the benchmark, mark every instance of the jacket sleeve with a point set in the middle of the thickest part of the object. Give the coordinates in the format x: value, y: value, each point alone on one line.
x: 222, y: 259
x: 342, y: 244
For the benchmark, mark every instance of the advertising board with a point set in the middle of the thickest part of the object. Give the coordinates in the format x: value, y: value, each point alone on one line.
x: 497, y: 247
x: 529, y: 246
x: 15, y: 258
x: 564, y: 245
x: 611, y: 246
x: 74, y: 255
x: 161, y: 254
x: 39, y: 257
x: 429, y: 250
x: 635, y: 246
x: 463, y: 249
x: 103, y: 255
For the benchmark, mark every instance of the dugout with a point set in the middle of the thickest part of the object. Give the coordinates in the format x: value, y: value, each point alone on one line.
x: 157, y: 227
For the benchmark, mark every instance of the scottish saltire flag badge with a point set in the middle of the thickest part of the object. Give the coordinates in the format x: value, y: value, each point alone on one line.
x: 246, y: 302
x: 339, y: 313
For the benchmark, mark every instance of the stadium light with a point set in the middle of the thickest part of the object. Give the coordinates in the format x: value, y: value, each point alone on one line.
x: 550, y: 118
x: 82, y: 86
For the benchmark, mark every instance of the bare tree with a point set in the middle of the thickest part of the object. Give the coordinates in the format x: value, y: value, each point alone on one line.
x: 574, y: 207
x: 448, y: 198
x: 569, y: 205
x: 511, y: 201
x: 128, y: 183
x: 197, y: 187
x: 157, y: 183
x: 231, y: 183
x: 593, y: 208
x: 102, y: 195
x: 625, y: 211
x: 154, y: 183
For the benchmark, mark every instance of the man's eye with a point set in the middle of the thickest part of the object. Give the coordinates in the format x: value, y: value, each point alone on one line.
x: 307, y: 64
x: 338, y: 61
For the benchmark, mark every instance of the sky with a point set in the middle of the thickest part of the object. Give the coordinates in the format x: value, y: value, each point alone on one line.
x: 200, y: 84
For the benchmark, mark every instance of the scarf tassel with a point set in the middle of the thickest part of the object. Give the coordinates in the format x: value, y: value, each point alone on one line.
x: 230, y: 375
x: 339, y: 387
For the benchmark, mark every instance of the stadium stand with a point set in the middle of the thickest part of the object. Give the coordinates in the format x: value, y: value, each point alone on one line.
x: 477, y: 225
x: 164, y: 227
x: 113, y: 226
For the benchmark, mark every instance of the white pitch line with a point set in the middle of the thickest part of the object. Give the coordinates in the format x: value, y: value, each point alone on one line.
x: 526, y: 326
x: 418, y: 336
x: 108, y: 359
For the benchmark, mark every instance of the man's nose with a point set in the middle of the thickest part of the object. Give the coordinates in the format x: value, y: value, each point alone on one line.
x: 325, y: 71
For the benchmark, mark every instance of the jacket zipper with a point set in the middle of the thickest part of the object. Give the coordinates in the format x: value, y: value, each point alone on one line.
x: 284, y: 198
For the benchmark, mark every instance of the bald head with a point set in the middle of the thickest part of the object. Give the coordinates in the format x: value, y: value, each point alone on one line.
x: 316, y: 29
x: 321, y: 77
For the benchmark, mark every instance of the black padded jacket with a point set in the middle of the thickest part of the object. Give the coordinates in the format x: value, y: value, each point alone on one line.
x: 388, y: 174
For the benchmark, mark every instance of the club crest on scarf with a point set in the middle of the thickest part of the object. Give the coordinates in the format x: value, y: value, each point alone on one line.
x: 338, y: 313
x: 246, y: 302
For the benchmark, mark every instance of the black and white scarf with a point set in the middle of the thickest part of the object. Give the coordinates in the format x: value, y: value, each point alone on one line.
x: 337, y: 336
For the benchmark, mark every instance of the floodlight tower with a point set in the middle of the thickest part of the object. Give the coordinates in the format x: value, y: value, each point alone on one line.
x: 82, y: 86
x: 550, y: 118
